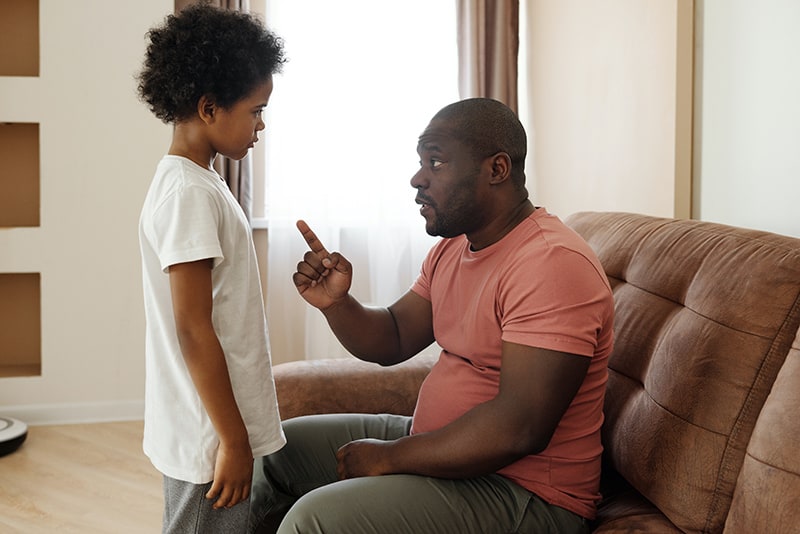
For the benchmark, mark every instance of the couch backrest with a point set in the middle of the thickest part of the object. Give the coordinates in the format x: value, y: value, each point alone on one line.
x: 767, y: 494
x: 705, y: 317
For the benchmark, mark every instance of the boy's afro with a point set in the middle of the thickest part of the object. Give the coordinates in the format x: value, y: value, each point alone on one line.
x: 204, y: 50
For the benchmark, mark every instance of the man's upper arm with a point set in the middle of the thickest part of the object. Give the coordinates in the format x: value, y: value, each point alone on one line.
x: 536, y: 388
x: 413, y: 317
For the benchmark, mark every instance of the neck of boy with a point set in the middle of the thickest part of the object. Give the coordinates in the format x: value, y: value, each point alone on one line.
x: 188, y: 142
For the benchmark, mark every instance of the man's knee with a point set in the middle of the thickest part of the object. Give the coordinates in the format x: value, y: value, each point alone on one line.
x: 309, y: 513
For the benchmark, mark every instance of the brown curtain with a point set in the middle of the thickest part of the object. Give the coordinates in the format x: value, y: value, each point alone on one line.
x: 488, y: 46
x: 237, y: 174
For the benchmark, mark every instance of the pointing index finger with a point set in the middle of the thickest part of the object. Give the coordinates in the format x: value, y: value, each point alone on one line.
x: 313, y: 241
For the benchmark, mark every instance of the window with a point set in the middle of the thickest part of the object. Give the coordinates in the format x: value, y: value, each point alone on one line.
x: 363, y: 79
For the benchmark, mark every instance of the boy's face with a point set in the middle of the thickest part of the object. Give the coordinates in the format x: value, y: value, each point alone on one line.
x: 235, y: 130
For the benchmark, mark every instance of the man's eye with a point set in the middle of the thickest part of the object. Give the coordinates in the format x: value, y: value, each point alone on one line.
x: 433, y: 163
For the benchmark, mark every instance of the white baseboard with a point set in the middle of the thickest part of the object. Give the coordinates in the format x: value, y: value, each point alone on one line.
x: 79, y: 412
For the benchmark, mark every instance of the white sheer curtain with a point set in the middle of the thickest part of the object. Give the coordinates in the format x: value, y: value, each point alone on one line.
x: 363, y: 79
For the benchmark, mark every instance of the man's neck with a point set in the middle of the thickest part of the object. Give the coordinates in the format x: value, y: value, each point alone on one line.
x: 501, y: 225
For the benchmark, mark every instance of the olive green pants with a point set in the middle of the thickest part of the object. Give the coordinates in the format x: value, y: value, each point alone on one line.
x: 300, y: 483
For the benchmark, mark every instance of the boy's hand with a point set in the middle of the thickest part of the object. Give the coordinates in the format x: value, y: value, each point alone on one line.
x: 322, y: 278
x: 233, y: 476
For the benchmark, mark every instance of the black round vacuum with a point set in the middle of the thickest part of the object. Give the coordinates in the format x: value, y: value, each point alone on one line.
x: 12, y: 433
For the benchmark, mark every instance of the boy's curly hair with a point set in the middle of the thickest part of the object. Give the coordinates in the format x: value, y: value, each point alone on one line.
x: 204, y: 50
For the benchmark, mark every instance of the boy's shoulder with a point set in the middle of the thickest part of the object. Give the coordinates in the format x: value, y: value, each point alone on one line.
x: 181, y: 172
x: 179, y: 180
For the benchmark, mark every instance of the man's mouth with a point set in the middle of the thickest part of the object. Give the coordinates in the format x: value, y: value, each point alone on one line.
x: 423, y: 201
x: 425, y: 205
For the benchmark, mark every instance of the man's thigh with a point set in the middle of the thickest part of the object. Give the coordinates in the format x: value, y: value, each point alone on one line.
x: 308, y: 460
x: 406, y: 504
x: 306, y: 469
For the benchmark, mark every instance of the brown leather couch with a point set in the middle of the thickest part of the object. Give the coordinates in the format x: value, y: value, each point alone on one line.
x: 702, y: 429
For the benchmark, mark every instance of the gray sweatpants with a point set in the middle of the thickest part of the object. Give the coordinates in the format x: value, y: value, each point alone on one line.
x: 187, y: 511
x: 300, y: 481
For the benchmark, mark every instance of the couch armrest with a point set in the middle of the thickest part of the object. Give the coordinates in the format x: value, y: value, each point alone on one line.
x: 348, y: 385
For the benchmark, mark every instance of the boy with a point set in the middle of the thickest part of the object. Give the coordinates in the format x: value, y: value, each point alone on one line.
x: 210, y: 403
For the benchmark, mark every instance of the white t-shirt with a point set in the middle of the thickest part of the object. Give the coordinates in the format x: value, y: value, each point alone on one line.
x: 189, y: 214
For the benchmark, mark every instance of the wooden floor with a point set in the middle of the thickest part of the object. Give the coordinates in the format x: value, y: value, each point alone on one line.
x: 88, y: 478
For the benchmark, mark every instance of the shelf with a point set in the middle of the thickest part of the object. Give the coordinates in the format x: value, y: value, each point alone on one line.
x: 19, y: 38
x: 20, y: 324
x: 20, y: 293
x: 19, y: 180
x: 9, y: 371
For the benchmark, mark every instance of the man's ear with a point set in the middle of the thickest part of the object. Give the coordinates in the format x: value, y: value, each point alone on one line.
x: 206, y: 109
x: 501, y: 168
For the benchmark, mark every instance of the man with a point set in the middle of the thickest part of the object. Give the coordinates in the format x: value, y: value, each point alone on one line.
x: 506, y: 433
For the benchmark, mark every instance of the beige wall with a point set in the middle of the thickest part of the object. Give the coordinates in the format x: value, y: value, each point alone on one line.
x: 747, y: 166
x: 609, y: 111
x: 671, y: 108
x: 98, y: 149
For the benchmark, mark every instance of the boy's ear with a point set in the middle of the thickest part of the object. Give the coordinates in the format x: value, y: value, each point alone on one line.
x: 206, y: 109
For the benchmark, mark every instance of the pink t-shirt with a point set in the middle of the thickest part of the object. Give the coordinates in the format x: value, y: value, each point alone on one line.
x: 541, y: 286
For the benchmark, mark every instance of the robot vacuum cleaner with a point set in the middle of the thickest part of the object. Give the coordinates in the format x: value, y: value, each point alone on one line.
x: 12, y: 433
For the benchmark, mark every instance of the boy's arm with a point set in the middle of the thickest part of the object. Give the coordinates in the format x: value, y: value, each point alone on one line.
x: 191, y: 290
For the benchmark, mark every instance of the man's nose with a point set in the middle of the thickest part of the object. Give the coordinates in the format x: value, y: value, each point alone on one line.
x: 417, y: 180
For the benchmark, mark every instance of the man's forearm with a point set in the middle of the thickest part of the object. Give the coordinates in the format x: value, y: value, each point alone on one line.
x: 368, y: 333
x: 536, y: 388
x: 478, y: 443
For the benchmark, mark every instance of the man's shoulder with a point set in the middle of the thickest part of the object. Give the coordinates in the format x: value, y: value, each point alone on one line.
x: 447, y: 246
x: 549, y: 231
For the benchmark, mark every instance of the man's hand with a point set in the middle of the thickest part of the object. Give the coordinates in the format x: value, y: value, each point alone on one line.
x: 363, y: 458
x: 233, y: 475
x: 322, y: 278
